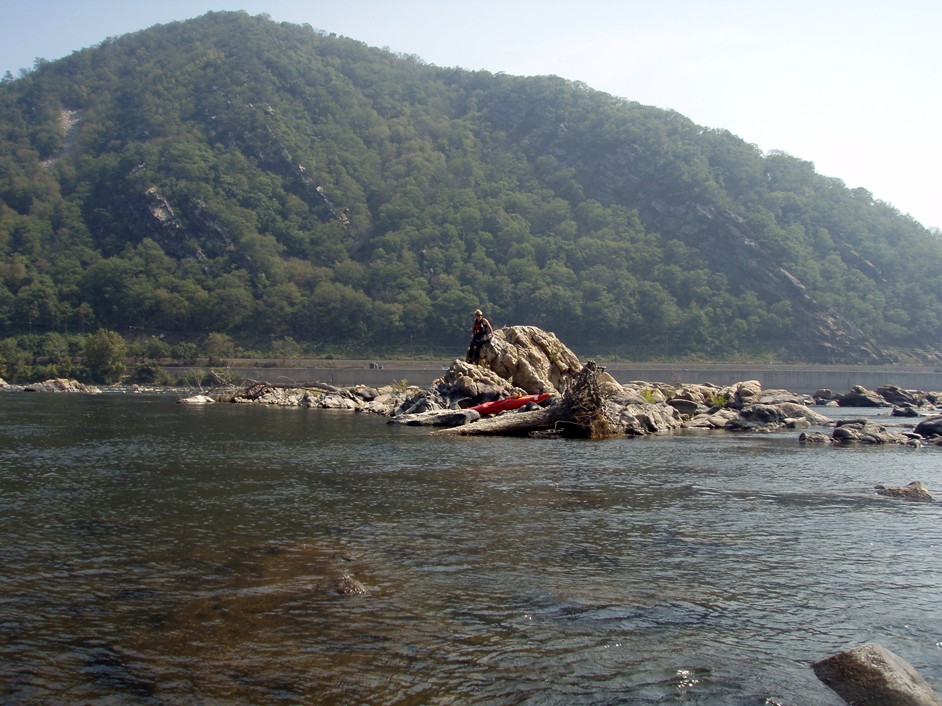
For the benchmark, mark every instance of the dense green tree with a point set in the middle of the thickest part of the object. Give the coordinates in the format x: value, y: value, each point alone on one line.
x: 103, y: 356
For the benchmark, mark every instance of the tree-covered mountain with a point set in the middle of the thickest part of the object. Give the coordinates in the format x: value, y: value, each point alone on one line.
x: 266, y: 181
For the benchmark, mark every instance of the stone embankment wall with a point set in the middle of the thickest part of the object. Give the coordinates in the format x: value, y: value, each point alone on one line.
x: 796, y: 378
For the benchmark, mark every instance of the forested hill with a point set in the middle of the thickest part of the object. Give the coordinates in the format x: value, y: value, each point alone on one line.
x: 269, y: 182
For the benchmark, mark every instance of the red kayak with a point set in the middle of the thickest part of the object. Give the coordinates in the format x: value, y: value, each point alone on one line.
x: 508, y: 403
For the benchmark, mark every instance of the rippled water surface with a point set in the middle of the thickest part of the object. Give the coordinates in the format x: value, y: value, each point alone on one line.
x: 162, y: 554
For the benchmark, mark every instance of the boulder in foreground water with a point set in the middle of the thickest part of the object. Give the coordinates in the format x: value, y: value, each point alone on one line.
x: 871, y: 675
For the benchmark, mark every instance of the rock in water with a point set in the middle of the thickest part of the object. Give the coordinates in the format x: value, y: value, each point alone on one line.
x: 871, y: 675
x: 916, y: 491
x: 929, y: 427
x: 196, y: 399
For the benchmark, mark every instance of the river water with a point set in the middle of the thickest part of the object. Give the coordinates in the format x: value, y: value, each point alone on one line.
x: 156, y: 553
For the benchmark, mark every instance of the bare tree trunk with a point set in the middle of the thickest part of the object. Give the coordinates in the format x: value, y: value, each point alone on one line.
x: 578, y: 413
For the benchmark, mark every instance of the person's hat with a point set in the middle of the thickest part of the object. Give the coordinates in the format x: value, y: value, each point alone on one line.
x: 478, y: 312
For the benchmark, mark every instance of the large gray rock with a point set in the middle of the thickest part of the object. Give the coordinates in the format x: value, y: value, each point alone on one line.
x: 871, y: 675
x: 476, y: 383
x: 896, y: 395
x: 687, y: 408
x: 712, y: 419
x: 530, y: 358
x: 797, y: 410
x: 643, y: 419
x: 865, y: 431
x: 929, y: 427
x: 757, y: 416
x: 745, y: 393
x: 860, y: 396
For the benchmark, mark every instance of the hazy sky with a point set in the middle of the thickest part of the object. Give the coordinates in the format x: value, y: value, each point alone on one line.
x: 854, y: 86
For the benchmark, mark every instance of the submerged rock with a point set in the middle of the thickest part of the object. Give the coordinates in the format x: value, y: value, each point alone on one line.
x: 196, y: 400
x: 346, y: 585
x: 915, y: 491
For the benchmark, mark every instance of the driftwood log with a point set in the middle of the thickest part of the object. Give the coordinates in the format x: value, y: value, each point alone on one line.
x: 579, y: 412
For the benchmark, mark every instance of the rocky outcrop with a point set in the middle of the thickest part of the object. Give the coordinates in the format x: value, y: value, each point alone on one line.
x: 864, y: 431
x: 872, y: 675
x: 518, y: 360
x: 321, y: 395
x: 521, y: 360
x: 905, y: 411
x: 61, y: 385
x: 908, y: 402
x: 530, y: 359
x: 867, y: 432
x: 476, y: 383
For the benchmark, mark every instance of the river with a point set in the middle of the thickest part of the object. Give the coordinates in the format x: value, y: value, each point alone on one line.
x: 157, y: 553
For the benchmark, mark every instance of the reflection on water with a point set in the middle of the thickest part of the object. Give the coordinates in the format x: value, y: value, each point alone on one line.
x: 156, y: 553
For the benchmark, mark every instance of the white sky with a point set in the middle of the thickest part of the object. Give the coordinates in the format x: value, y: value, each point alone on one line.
x: 854, y: 86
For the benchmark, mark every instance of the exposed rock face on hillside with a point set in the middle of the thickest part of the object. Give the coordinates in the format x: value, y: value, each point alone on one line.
x: 730, y: 247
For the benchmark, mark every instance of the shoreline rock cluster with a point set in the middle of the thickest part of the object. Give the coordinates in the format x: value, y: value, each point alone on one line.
x: 526, y: 360
x: 53, y: 385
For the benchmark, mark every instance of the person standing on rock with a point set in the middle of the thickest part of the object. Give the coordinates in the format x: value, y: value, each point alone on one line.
x: 481, y: 331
